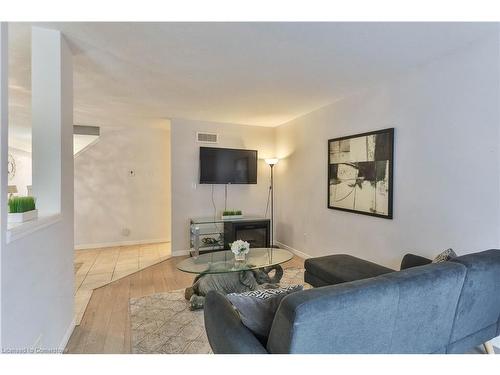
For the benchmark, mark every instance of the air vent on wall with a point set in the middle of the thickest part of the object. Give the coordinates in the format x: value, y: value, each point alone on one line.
x: 206, y: 137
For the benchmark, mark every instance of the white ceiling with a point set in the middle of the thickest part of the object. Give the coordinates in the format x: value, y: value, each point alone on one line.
x: 249, y: 73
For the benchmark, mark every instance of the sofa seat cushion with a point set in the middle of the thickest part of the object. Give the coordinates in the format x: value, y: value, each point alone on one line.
x: 341, y: 268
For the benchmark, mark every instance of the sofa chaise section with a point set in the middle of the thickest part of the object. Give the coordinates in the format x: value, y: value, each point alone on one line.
x: 340, y: 268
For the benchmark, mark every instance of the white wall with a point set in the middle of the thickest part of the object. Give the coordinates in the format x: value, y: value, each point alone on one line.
x: 37, y: 282
x: 109, y: 199
x: 4, y: 134
x: 190, y: 199
x: 22, y: 177
x: 446, y: 175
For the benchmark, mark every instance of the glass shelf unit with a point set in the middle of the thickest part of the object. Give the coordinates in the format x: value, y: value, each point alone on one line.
x: 207, y: 233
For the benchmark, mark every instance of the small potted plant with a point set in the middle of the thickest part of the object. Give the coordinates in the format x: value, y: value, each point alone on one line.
x: 22, y: 209
x: 240, y: 249
x: 232, y: 214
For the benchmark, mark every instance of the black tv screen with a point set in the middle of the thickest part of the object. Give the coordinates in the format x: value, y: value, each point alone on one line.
x: 227, y: 166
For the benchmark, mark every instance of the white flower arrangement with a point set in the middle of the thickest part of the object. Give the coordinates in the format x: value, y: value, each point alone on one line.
x: 240, y: 247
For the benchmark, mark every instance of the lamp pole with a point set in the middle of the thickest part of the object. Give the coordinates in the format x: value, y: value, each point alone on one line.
x: 272, y: 162
x: 272, y: 206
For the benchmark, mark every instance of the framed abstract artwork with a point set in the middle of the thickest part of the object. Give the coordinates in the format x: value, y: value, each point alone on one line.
x: 360, y: 173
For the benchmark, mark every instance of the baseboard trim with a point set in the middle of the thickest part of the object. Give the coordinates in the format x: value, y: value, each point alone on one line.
x: 295, y: 251
x: 67, y: 336
x: 180, y: 253
x: 120, y: 243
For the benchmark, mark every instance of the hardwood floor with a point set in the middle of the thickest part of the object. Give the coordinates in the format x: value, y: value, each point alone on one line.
x: 105, y: 326
x: 97, y: 267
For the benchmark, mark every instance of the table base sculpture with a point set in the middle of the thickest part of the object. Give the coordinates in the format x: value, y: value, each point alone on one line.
x: 233, y: 282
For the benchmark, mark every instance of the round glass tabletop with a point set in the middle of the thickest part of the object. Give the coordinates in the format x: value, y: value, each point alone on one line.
x: 224, y: 261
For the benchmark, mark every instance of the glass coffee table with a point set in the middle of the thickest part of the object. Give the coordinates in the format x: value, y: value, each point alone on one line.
x: 224, y: 261
x: 220, y: 271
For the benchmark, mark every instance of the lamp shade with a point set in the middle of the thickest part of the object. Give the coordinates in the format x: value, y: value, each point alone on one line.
x: 272, y: 161
x: 12, y: 189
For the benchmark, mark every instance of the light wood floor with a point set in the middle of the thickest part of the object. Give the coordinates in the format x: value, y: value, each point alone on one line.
x: 105, y: 326
x: 97, y: 267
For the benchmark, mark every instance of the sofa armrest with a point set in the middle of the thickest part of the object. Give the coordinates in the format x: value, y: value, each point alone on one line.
x: 412, y: 260
x: 226, y: 333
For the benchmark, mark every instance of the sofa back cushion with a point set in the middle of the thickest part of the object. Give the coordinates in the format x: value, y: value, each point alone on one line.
x: 478, y: 308
x: 411, y: 311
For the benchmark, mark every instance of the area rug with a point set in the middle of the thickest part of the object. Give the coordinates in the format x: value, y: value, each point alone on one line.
x: 163, y: 324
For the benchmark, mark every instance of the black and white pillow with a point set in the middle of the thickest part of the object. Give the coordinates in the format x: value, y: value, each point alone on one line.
x: 268, y: 293
x: 444, y: 256
x: 258, y: 307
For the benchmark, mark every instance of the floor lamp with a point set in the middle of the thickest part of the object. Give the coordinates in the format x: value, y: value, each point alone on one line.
x: 272, y: 162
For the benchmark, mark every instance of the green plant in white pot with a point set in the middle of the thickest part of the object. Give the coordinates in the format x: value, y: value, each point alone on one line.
x: 22, y: 209
x: 232, y: 214
x: 240, y: 249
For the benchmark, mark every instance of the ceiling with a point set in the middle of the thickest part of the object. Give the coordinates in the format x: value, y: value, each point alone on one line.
x: 248, y: 73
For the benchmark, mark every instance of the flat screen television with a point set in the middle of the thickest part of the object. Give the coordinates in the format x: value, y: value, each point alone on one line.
x: 227, y: 166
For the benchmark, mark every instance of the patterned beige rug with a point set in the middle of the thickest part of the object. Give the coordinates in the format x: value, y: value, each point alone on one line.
x: 162, y: 323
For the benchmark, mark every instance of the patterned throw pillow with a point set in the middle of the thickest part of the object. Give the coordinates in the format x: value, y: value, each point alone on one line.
x: 444, y: 256
x: 257, y: 308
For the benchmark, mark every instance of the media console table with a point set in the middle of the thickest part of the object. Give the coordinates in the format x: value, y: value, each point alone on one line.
x: 208, y: 234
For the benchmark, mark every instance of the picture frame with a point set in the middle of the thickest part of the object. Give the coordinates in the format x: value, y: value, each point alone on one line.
x: 361, y: 173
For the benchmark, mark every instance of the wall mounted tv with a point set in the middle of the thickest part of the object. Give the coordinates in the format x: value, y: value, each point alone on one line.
x: 227, y: 166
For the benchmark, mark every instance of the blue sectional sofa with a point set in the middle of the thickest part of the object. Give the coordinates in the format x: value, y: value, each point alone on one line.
x: 449, y: 307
